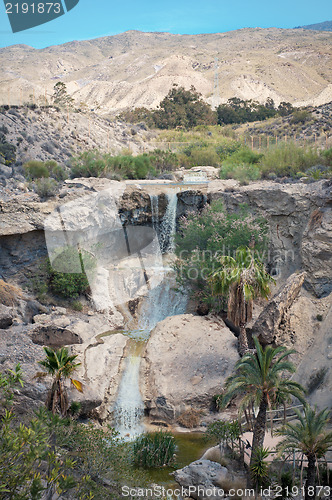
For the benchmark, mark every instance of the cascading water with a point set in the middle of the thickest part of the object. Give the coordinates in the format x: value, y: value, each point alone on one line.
x: 154, y: 200
x: 129, y: 407
x: 168, y: 224
x: 160, y: 302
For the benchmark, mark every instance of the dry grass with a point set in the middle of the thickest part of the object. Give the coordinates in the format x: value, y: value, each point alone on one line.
x: 9, y: 294
x: 190, y: 418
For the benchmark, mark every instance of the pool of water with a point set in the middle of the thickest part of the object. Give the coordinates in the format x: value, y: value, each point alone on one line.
x: 190, y: 447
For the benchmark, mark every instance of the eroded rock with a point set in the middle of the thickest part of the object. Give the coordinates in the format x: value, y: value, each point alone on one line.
x: 273, y: 319
x: 6, y: 317
x: 185, y: 363
x: 205, y: 479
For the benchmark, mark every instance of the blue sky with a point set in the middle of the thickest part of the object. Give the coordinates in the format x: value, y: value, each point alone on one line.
x: 94, y: 18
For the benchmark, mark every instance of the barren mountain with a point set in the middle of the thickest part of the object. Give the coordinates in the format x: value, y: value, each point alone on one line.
x: 137, y: 69
x: 325, y: 26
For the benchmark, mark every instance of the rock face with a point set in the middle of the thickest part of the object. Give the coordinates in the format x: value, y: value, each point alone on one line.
x: 100, y: 372
x: 205, y: 480
x: 185, y: 363
x: 272, y: 320
x: 298, y: 215
x: 6, y: 317
x: 315, y: 369
x: 300, y: 237
x: 100, y: 357
x: 316, y: 251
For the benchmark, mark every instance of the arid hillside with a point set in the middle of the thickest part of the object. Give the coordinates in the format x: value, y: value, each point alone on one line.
x: 134, y: 69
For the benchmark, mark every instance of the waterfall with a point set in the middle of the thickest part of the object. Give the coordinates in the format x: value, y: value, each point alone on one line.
x: 160, y: 302
x: 154, y: 200
x: 129, y: 407
x: 168, y: 224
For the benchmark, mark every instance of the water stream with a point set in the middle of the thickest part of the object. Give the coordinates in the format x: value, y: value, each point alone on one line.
x: 160, y: 302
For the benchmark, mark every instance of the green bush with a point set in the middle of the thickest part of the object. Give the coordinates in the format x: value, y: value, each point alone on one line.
x: 97, y: 164
x: 154, y: 449
x: 244, y: 155
x: 204, y: 237
x: 48, y: 456
x: 69, y: 284
x: 7, y: 150
x: 35, y: 169
x: 244, y: 173
x: 46, y: 187
x: 56, y: 171
x: 288, y: 159
x: 223, y: 432
x: 163, y: 161
x: 327, y: 157
x: 300, y: 116
x: 77, y: 305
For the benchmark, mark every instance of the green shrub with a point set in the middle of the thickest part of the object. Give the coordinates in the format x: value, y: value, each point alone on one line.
x: 35, y: 169
x: 244, y: 155
x: 327, y: 157
x: 96, y: 164
x: 288, y: 159
x: 46, y: 187
x: 7, y: 150
x: 259, y: 469
x: 163, y: 161
x: 77, y: 305
x: 204, y: 237
x: 300, y: 116
x: 244, y: 173
x: 223, y: 432
x: 69, y: 284
x: 154, y: 449
x: 55, y: 170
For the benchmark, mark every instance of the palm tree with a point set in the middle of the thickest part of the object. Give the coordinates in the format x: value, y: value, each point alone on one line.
x: 60, y: 365
x: 308, y: 436
x: 259, y: 379
x: 243, y: 279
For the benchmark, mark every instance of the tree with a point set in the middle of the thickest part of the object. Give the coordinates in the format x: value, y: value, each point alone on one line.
x: 285, y: 108
x: 308, y: 436
x: 243, y: 279
x: 259, y: 380
x: 60, y: 365
x: 60, y: 96
x: 183, y: 108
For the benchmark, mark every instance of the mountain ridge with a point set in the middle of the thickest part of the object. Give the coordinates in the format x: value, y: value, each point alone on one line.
x: 134, y: 68
x: 324, y: 26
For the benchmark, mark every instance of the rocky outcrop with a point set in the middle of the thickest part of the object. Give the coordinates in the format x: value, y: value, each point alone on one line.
x: 295, y: 228
x: 100, y: 372
x: 316, y: 251
x: 298, y: 216
x: 185, y: 363
x: 54, y: 336
x: 205, y: 480
x: 273, y: 319
x: 6, y: 317
x: 315, y: 369
x: 100, y: 357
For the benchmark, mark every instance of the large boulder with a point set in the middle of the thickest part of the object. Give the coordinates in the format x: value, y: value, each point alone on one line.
x: 206, y: 480
x: 6, y: 317
x: 185, y: 363
x: 272, y: 321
